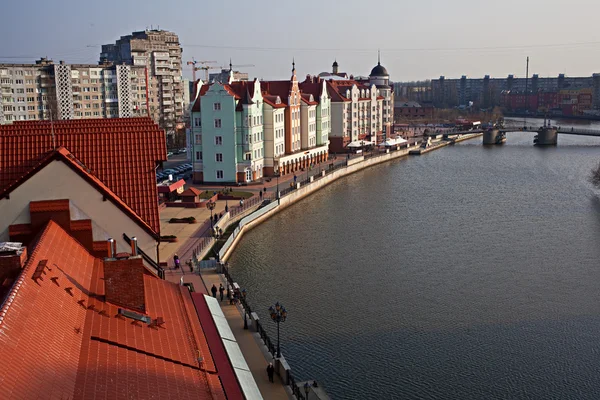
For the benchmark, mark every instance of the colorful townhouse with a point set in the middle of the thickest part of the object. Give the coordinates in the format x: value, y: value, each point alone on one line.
x: 303, y: 146
x: 227, y: 133
x: 242, y: 131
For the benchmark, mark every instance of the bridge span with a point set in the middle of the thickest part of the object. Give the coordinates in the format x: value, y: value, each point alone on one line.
x: 546, y: 136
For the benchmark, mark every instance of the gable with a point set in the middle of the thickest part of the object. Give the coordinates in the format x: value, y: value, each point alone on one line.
x: 58, y: 181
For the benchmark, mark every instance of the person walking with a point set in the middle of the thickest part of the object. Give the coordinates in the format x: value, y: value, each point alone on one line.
x: 270, y: 371
x: 176, y: 261
x: 213, y: 289
x: 221, y: 290
x: 260, y: 195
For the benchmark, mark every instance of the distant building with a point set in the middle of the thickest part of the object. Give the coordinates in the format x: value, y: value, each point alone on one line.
x: 223, y: 76
x: 412, y: 110
x: 159, y: 52
x: 485, y: 93
x: 46, y: 90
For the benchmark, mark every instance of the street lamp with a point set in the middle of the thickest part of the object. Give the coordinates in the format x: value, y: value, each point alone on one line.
x: 306, y: 389
x: 211, y: 206
x: 277, y: 176
x: 278, y: 314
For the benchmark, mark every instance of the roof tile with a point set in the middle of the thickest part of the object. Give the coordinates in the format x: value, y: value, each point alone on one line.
x: 119, y: 152
x: 75, y: 346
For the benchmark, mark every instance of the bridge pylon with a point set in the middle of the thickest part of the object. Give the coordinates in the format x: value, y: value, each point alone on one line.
x: 493, y: 136
x: 546, y: 137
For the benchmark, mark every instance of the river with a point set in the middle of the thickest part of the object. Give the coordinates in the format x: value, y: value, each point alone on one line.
x: 470, y: 272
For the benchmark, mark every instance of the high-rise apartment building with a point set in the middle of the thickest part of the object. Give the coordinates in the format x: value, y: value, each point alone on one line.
x: 159, y: 52
x: 46, y: 90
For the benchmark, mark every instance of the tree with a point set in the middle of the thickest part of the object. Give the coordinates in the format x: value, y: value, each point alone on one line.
x: 595, y: 176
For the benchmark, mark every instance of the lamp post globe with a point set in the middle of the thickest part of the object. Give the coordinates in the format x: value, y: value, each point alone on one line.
x: 211, y: 206
x: 278, y: 314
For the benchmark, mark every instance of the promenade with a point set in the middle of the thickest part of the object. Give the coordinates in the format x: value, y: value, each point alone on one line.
x: 255, y: 354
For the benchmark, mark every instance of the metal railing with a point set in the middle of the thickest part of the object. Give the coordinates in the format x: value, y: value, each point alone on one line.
x: 296, y: 390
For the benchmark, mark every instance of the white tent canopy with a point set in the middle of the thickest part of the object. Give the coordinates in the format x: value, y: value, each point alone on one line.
x: 360, y: 143
x: 392, y: 142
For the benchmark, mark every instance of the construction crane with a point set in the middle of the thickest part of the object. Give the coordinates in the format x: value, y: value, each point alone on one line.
x: 206, y: 68
x: 194, y: 68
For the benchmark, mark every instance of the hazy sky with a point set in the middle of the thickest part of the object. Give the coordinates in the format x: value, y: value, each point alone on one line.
x: 418, y: 39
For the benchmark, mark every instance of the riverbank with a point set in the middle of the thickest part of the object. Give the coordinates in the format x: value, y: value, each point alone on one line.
x: 301, y: 190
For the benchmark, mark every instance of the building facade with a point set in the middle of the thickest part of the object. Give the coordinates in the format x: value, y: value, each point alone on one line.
x: 486, y: 92
x: 46, y: 90
x: 160, y: 53
x: 223, y: 76
x: 242, y: 131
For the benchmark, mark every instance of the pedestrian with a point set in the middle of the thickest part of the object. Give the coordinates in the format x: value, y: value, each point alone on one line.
x: 265, y: 189
x: 260, y: 195
x: 176, y: 260
x: 213, y: 289
x: 221, y: 290
x: 270, y: 371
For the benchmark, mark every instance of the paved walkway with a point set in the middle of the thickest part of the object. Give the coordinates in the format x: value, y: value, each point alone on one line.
x: 254, y: 352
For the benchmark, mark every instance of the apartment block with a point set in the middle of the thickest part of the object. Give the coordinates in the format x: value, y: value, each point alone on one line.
x: 46, y: 90
x: 159, y: 51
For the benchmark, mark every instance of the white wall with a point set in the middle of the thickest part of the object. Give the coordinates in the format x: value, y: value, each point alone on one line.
x: 58, y: 181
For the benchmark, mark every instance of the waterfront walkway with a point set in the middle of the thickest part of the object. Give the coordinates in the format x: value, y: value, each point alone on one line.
x: 255, y: 353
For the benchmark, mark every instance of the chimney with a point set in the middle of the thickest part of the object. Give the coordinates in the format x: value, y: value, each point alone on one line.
x: 124, y: 283
x: 112, y: 248
x: 134, y: 246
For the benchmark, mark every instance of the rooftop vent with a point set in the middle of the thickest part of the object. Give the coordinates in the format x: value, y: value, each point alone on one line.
x: 133, y: 315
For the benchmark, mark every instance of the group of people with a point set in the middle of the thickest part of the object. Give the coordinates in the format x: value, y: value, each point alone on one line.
x: 234, y: 297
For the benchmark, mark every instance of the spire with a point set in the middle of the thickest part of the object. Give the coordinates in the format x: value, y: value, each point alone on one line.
x: 293, y: 65
x: 378, y: 57
x: 230, y: 77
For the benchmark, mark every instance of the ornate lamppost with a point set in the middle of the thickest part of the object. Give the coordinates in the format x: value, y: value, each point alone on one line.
x: 278, y: 314
x: 211, y: 206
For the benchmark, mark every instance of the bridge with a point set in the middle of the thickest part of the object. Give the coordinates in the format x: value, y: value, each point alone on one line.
x: 546, y: 135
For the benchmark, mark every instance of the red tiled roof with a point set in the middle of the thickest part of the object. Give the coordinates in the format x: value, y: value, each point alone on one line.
x: 191, y: 192
x: 120, y: 152
x: 272, y: 100
x: 62, y: 340
x: 59, y: 205
x: 277, y: 88
x: 306, y: 98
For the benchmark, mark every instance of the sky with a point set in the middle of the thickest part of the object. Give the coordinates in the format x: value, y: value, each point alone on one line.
x: 419, y: 40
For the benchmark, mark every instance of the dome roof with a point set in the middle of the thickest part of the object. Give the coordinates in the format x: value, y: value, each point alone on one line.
x: 379, y: 70
x: 335, y: 64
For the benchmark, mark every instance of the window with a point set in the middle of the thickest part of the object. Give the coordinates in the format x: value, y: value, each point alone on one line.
x: 198, y: 155
x: 217, y: 123
x: 197, y: 122
x: 219, y: 174
x: 217, y: 106
x: 218, y: 140
x: 219, y: 157
x: 198, y: 139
